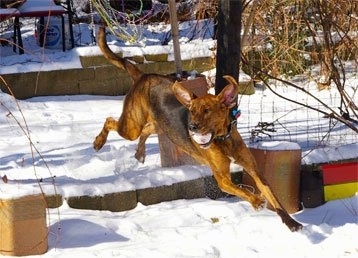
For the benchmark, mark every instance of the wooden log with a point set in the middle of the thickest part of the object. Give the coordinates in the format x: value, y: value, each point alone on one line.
x: 170, y: 154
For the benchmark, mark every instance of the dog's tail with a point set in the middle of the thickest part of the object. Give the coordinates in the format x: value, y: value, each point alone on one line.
x: 120, y: 62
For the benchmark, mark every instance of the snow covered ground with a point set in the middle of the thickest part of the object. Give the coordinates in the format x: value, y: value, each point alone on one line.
x: 62, y: 129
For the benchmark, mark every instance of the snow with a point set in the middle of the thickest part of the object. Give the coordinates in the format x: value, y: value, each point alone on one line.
x: 61, y: 130
x: 204, y: 228
x: 276, y: 146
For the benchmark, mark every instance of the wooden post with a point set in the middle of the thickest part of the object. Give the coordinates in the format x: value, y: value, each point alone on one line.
x: 228, y: 41
x: 170, y: 154
x: 175, y: 36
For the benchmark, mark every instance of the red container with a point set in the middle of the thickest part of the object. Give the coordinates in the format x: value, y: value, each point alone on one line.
x: 340, y: 180
x: 340, y: 173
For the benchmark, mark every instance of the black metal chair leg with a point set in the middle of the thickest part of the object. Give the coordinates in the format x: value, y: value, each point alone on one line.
x: 70, y: 21
x: 17, y: 37
x: 63, y: 34
x: 14, y: 39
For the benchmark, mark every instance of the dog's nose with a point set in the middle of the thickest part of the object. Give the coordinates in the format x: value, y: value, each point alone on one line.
x: 193, y: 127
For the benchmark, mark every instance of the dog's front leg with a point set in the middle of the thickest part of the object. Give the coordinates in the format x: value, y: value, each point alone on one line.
x: 248, y: 162
x: 227, y: 186
x: 220, y: 167
x: 292, y: 224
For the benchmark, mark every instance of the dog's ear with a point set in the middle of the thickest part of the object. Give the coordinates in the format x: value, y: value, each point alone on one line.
x: 228, y: 96
x: 183, y: 95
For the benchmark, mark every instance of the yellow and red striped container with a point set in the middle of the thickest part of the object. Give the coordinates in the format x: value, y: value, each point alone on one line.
x: 340, y: 180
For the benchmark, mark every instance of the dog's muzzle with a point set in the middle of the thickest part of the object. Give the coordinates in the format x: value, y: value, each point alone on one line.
x: 203, y: 140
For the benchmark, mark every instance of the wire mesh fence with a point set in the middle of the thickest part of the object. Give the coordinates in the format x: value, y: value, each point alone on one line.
x: 266, y: 116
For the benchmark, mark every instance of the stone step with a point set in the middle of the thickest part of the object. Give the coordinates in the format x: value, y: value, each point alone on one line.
x: 123, y: 201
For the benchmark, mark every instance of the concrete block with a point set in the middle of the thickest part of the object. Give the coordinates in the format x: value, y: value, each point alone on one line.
x: 158, y: 194
x: 109, y: 87
x: 121, y: 201
x: 94, y: 61
x: 156, y: 58
x: 107, y: 72
x: 20, y: 84
x: 212, y: 189
x: 183, y: 190
x: 191, y: 189
x: 54, y: 201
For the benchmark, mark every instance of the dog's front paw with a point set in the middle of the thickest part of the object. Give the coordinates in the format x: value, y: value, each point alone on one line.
x: 98, y: 143
x: 140, y: 156
x: 292, y: 224
x: 258, y: 203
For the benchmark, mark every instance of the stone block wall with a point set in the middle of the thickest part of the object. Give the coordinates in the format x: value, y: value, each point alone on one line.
x: 96, y: 77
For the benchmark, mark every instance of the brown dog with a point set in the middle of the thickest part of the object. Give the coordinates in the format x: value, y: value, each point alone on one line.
x: 199, y: 126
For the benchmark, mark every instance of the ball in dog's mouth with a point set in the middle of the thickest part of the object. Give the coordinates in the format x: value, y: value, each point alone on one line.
x: 202, y: 139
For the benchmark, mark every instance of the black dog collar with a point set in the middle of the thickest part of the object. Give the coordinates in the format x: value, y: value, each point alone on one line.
x: 229, y: 129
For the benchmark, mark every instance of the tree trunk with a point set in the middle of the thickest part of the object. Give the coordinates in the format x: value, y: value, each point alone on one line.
x: 228, y: 41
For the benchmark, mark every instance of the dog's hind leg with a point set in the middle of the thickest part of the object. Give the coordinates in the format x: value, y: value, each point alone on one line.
x: 110, y: 125
x: 148, y: 129
x: 130, y: 124
x: 127, y: 128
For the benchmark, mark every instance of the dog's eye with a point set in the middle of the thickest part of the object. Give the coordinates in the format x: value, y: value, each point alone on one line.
x: 206, y: 110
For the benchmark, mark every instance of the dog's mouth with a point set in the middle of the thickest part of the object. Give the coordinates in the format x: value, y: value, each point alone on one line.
x: 204, y: 140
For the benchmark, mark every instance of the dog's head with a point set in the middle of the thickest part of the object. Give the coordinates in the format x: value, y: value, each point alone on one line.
x: 209, y: 114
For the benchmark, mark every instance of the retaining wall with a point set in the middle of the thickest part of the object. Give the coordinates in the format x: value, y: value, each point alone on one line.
x: 96, y: 77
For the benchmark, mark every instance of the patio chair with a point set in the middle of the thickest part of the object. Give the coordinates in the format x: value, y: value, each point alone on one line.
x: 7, y: 13
x: 42, y: 9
